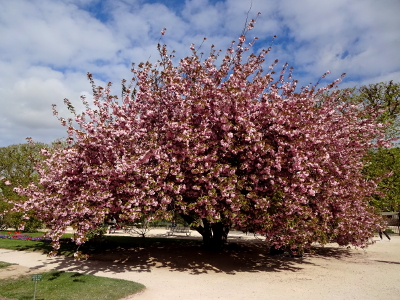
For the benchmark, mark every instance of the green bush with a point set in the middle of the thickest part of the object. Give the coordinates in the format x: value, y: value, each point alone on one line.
x: 31, y: 225
x: 97, y: 233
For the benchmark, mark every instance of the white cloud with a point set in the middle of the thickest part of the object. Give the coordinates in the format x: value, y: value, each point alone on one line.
x: 48, y: 46
x: 356, y: 37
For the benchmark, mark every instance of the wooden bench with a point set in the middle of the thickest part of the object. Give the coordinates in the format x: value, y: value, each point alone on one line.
x: 392, y: 221
x: 178, y: 229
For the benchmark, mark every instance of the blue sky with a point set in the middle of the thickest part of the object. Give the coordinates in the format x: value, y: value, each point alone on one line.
x: 48, y: 46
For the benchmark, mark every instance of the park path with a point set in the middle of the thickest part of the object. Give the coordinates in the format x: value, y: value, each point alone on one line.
x: 333, y: 273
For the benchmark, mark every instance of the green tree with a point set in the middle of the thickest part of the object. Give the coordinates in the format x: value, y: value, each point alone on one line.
x: 385, y: 164
x: 382, y: 162
x: 386, y: 96
x: 17, y: 164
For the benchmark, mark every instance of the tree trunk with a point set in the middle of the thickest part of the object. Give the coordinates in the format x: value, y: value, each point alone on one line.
x: 215, y: 235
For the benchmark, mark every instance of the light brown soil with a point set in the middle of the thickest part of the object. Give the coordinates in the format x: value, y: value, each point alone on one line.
x: 243, y: 271
x: 15, y: 271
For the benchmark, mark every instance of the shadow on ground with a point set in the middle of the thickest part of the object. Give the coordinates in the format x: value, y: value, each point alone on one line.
x: 189, y: 256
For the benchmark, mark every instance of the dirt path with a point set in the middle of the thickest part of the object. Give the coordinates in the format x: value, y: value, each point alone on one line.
x: 244, y: 272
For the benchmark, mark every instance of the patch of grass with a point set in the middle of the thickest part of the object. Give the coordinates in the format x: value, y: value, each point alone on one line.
x: 33, y: 234
x: 27, y: 245
x: 108, y: 243
x: 4, y: 264
x: 59, y: 285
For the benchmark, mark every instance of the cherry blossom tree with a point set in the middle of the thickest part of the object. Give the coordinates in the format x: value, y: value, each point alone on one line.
x: 222, y: 141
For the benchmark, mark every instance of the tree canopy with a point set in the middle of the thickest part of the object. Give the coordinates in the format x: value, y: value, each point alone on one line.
x: 385, y: 96
x: 17, y: 168
x: 382, y: 98
x: 383, y: 163
x: 224, y: 143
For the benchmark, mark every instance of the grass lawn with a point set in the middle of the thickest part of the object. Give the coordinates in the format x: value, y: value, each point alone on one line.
x: 4, y: 264
x: 26, y: 245
x: 59, y: 285
x: 108, y: 243
x: 65, y: 285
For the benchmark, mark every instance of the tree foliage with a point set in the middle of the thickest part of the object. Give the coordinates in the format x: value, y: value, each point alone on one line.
x: 17, y: 168
x: 222, y: 142
x: 382, y: 97
x: 382, y: 163
x: 386, y: 96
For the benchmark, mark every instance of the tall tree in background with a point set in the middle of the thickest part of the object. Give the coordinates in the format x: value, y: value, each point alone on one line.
x: 384, y: 96
x: 17, y: 168
x: 384, y: 164
x: 222, y: 145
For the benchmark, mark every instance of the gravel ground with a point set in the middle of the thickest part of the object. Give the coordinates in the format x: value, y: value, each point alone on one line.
x: 245, y: 271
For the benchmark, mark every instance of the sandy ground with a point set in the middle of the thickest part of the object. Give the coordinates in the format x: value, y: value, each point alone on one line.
x: 245, y: 271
